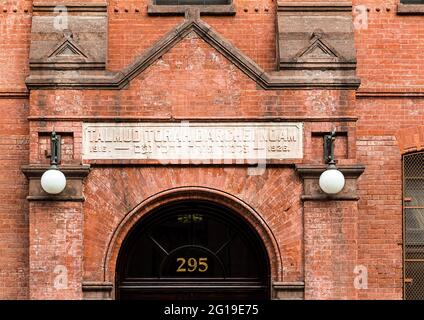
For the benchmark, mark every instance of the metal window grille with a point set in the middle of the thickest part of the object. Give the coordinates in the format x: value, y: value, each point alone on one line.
x: 413, y: 223
x: 191, y: 2
x: 412, y: 1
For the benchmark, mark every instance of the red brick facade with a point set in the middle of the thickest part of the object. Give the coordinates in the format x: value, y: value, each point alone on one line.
x: 314, y: 245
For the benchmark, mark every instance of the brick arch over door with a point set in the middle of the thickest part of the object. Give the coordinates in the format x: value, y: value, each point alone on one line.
x: 195, y: 193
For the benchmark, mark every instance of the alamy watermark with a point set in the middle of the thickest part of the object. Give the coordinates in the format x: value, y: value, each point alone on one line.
x: 255, y: 149
x: 361, y: 279
x: 360, y: 17
x: 61, y: 20
x: 61, y: 279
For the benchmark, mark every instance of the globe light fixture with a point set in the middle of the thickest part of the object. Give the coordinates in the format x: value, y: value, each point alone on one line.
x: 331, y: 181
x: 53, y: 181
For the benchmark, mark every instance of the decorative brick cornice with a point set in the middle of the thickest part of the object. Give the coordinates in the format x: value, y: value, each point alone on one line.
x: 314, y: 6
x: 192, y: 119
x: 14, y: 94
x: 70, y: 7
x: 74, y: 176
x: 389, y: 94
x: 192, y: 23
x: 311, y: 190
x: 216, y: 10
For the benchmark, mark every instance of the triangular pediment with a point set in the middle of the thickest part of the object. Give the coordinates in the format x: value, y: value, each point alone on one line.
x: 318, y: 50
x: 192, y: 68
x: 68, y: 49
x: 213, y: 39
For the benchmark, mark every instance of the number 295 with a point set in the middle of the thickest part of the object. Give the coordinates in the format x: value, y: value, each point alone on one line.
x: 192, y: 264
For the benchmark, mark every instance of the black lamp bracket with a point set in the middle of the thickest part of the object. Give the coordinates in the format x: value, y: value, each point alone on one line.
x: 329, y: 147
x: 55, y: 147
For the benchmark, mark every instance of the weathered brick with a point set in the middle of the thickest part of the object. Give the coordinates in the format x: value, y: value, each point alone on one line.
x: 320, y: 243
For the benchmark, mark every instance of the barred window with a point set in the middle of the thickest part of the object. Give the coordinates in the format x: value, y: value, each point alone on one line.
x: 413, y: 214
x: 191, y: 2
x: 412, y: 1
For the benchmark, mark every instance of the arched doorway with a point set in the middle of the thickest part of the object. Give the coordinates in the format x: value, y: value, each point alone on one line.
x: 190, y: 250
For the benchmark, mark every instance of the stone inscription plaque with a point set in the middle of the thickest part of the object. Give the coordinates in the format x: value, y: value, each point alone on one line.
x: 193, y: 141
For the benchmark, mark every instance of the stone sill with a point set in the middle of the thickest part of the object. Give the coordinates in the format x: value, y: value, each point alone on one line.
x: 314, y: 171
x: 97, y: 290
x: 329, y: 198
x: 410, y: 9
x: 288, y: 290
x: 71, y: 171
x: 56, y: 198
x: 311, y: 190
x: 253, y: 163
x: 216, y: 10
x: 73, y: 190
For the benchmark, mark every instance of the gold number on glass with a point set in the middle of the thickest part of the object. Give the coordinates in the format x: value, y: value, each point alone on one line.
x: 193, y: 264
x: 203, y: 264
x: 182, y: 263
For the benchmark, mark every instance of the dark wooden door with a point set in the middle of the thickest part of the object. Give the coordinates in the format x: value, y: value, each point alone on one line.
x: 193, y: 250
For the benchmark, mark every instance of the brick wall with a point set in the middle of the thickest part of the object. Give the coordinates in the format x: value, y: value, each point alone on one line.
x: 330, y: 235
x: 15, y: 21
x: 252, y: 30
x: 55, y: 250
x: 13, y: 191
x: 15, y: 28
x: 389, y: 49
x: 194, y: 80
x: 389, y: 64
